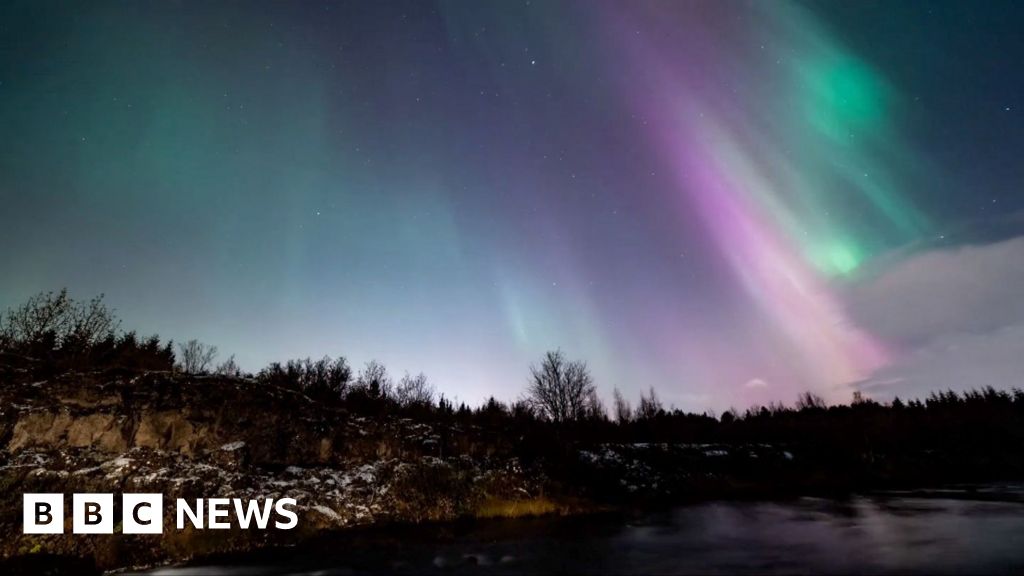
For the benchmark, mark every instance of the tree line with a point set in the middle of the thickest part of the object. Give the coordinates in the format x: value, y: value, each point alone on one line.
x: 52, y: 333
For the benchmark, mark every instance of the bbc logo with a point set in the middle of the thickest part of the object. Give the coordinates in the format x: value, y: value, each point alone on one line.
x: 93, y: 513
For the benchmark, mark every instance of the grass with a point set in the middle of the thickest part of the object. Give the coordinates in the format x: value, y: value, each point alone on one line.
x: 502, y: 508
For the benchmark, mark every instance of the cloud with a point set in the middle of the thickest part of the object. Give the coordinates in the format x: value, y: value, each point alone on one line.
x: 956, y: 362
x: 756, y: 383
x: 954, y: 317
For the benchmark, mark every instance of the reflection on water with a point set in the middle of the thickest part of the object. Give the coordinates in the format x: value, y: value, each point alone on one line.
x: 873, y: 535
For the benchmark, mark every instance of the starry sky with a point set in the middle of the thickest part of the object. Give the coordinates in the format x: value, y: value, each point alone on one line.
x: 730, y: 201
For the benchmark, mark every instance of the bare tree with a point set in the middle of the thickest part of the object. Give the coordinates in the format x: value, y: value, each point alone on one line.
x: 44, y: 314
x: 89, y: 323
x: 194, y: 357
x: 623, y: 411
x: 809, y: 401
x: 593, y: 407
x: 414, y: 390
x: 562, y: 391
x: 324, y: 379
x: 374, y: 380
x: 58, y: 319
x: 228, y: 368
x: 650, y: 406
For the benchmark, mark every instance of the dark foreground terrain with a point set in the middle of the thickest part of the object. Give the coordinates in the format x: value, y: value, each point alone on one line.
x: 373, y: 464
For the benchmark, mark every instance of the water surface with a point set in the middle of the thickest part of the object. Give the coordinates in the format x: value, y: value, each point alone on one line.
x: 948, y: 532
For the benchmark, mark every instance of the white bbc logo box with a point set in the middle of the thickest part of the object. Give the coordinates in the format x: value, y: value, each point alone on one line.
x: 93, y: 513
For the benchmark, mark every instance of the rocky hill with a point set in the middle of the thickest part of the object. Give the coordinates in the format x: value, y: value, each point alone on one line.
x: 195, y: 437
x: 118, y: 431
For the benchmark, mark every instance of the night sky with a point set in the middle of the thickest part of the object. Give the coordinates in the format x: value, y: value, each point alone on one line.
x: 729, y: 201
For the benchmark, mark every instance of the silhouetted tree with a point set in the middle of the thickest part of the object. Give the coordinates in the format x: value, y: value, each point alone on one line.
x: 493, y: 407
x: 562, y: 391
x: 374, y: 382
x: 59, y: 333
x: 623, y: 411
x: 523, y: 410
x: 52, y: 321
x: 414, y: 391
x: 228, y: 368
x: 445, y: 406
x: 650, y: 406
x: 323, y: 379
x: 729, y: 416
x: 810, y: 401
x: 196, y: 357
x: 593, y: 407
x: 128, y: 352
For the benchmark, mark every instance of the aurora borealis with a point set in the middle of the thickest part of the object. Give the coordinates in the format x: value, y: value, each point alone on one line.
x: 727, y: 201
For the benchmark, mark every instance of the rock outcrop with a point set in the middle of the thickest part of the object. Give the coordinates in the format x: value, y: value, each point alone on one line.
x: 217, y: 437
x: 202, y: 437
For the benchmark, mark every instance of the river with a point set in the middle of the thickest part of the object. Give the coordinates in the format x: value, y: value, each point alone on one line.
x: 937, y: 532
